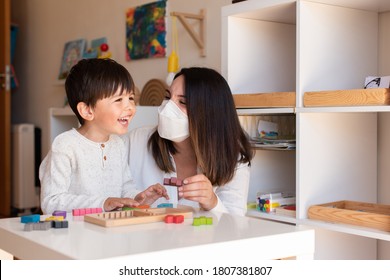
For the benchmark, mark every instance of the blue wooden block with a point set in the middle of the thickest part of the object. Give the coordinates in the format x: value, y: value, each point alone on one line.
x: 165, y: 205
x: 30, y: 218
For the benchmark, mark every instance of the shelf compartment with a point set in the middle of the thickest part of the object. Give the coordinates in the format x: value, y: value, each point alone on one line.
x: 364, y: 214
x: 265, y: 100
x: 351, y: 97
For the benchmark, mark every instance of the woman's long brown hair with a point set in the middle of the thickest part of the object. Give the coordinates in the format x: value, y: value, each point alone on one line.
x: 216, y: 135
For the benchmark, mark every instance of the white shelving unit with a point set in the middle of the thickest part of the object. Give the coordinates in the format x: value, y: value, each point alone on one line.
x: 342, y: 152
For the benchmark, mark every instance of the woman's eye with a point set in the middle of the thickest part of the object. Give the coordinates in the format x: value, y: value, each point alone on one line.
x: 118, y: 100
x: 131, y: 98
x: 167, y: 95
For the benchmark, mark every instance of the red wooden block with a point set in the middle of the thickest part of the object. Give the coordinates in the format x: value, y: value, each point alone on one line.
x: 76, y: 212
x: 167, y: 181
x: 169, y: 219
x: 178, y: 219
x: 173, y: 181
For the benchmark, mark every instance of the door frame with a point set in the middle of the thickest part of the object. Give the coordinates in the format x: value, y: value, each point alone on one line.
x: 5, y: 109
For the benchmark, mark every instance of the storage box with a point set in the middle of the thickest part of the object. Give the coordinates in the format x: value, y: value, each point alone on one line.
x: 265, y: 100
x: 370, y: 215
x: 350, y: 97
x: 268, y: 202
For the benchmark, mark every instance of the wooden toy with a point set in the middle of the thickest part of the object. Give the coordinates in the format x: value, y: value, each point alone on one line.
x: 171, y: 185
x: 202, y: 220
x: 174, y: 219
x: 165, y: 205
x: 84, y: 211
x: 59, y: 213
x: 60, y: 224
x: 54, y: 218
x: 136, y: 216
x: 30, y: 218
x: 37, y: 226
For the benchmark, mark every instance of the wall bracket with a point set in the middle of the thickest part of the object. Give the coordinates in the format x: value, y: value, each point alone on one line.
x: 198, y: 38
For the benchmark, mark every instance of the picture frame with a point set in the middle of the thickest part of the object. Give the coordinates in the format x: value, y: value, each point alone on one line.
x: 73, y: 52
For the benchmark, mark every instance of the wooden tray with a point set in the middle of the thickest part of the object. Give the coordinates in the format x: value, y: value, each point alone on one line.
x: 354, y: 213
x: 136, y: 216
x: 352, y: 97
x: 265, y: 100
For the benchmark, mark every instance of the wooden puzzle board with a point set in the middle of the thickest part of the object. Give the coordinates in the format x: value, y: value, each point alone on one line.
x: 136, y: 216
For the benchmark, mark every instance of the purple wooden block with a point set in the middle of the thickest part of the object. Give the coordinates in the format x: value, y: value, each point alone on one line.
x: 59, y: 213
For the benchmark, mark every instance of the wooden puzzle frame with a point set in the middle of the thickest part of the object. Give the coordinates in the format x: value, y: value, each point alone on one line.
x: 136, y: 216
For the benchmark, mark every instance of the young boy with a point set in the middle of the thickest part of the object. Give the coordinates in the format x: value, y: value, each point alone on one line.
x: 87, y: 167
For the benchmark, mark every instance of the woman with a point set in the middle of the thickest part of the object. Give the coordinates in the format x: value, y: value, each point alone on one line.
x: 198, y: 140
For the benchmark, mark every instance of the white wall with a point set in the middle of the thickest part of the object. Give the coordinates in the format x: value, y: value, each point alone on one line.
x: 45, y: 26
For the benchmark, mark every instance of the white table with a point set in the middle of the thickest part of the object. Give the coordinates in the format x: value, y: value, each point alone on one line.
x: 230, y: 237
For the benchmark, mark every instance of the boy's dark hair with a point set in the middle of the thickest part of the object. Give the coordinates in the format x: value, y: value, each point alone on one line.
x: 93, y: 79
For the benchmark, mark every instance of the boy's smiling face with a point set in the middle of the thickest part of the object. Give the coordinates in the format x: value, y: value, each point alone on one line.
x: 112, y: 115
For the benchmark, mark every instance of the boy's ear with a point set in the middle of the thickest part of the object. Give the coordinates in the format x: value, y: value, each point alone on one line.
x: 85, y: 111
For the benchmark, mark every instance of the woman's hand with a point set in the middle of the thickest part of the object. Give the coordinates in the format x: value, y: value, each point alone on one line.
x: 198, y: 188
x: 151, y: 194
x: 113, y: 203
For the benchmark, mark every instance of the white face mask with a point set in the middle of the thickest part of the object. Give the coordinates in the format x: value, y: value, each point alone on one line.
x: 172, y: 122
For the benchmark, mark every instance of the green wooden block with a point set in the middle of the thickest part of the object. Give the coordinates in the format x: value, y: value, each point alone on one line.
x: 196, y: 222
x: 209, y: 220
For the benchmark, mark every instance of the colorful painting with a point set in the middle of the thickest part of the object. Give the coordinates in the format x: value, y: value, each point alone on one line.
x: 73, y: 52
x: 145, y: 31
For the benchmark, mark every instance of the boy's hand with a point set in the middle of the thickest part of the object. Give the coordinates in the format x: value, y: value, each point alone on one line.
x: 151, y: 194
x: 113, y: 203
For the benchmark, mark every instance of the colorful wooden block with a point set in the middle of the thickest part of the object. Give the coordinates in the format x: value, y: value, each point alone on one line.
x: 144, y: 206
x: 196, y: 222
x: 173, y: 181
x: 54, y: 218
x: 165, y: 205
x: 169, y: 219
x: 37, y: 226
x: 175, y: 219
x: 202, y: 220
x: 84, y: 211
x: 30, y: 218
x: 178, y: 219
x: 60, y: 224
x: 59, y: 213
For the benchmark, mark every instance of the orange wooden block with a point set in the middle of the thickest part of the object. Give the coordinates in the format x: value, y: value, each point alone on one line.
x: 144, y: 206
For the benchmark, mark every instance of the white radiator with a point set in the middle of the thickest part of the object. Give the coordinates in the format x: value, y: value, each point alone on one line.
x: 25, y: 149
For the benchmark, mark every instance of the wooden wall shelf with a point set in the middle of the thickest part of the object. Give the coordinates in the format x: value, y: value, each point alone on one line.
x: 351, y: 97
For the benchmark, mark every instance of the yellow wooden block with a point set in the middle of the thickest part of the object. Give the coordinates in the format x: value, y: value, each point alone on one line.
x: 54, y: 218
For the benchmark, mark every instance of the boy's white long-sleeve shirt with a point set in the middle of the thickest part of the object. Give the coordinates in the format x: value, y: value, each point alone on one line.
x: 79, y: 173
x: 232, y: 197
